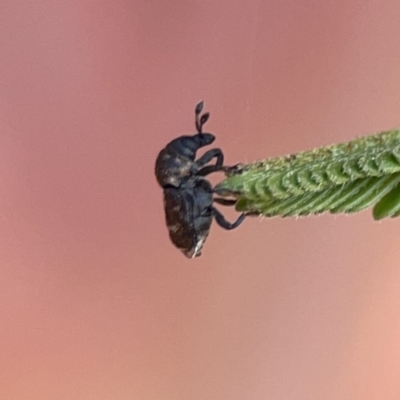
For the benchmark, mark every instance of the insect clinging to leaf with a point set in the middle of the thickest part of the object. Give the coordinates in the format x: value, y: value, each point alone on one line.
x: 188, y: 195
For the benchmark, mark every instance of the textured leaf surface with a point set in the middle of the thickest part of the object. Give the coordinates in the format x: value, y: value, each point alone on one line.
x: 347, y: 178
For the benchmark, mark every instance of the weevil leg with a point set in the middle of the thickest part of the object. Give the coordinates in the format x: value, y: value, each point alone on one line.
x: 209, y: 170
x: 225, y: 192
x: 206, y: 158
x: 236, y: 169
x: 222, y: 222
x: 225, y: 202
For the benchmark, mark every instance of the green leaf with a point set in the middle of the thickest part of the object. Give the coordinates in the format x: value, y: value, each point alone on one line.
x: 342, y: 178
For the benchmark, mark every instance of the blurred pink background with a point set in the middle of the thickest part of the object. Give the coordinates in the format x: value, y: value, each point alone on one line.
x: 95, y: 302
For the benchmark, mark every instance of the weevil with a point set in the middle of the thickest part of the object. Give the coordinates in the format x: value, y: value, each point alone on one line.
x: 188, y: 195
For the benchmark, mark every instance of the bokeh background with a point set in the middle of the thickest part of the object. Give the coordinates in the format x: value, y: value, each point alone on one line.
x: 95, y: 302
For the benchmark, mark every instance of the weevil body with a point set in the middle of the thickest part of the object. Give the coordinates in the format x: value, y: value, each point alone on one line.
x: 188, y: 195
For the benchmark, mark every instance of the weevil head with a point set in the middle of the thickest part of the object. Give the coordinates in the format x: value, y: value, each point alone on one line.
x: 187, y: 146
x: 175, y: 163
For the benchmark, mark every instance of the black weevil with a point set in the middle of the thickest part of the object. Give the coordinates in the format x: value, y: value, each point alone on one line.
x: 188, y: 196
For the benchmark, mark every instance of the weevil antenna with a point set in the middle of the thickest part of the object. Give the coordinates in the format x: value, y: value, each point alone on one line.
x: 199, y: 126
